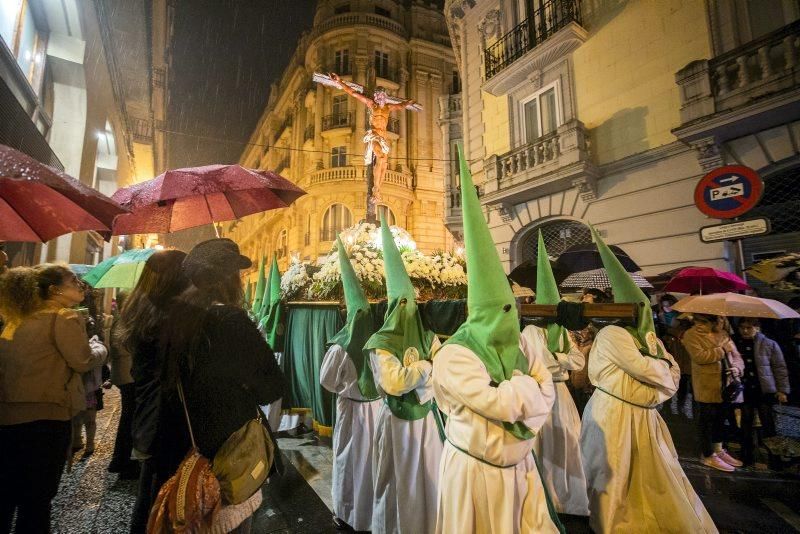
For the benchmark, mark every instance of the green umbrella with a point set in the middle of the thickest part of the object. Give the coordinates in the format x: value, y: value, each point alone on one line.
x: 122, y: 270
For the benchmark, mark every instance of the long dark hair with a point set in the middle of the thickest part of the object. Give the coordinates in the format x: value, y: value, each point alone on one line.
x: 144, y: 311
x: 185, y: 333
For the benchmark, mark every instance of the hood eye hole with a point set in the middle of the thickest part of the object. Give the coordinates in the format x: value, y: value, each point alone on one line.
x: 404, y: 301
x: 507, y: 308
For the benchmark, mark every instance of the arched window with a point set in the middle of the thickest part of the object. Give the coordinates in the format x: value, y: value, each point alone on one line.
x: 558, y: 236
x: 386, y: 212
x: 282, y: 245
x: 337, y: 218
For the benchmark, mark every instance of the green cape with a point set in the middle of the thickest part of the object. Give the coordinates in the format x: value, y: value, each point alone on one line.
x: 491, y: 330
x: 402, y: 331
x: 626, y: 290
x: 259, y: 295
x: 547, y: 293
x: 273, y: 314
x: 359, y: 325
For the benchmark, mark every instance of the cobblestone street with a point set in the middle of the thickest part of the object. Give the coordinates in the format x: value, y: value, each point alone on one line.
x: 91, y: 500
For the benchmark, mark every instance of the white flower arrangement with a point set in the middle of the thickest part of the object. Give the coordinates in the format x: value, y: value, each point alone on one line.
x: 294, y: 279
x: 440, y: 275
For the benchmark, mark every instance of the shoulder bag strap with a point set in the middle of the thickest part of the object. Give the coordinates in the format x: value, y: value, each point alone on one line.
x: 186, y: 413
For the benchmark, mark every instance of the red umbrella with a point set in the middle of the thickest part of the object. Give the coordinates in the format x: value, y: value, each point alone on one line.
x: 39, y: 203
x: 705, y: 280
x: 185, y: 198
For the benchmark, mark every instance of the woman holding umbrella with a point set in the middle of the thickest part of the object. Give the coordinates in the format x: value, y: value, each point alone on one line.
x: 709, y: 346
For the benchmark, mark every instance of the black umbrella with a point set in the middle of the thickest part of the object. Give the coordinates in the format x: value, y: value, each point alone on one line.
x: 580, y: 258
x: 525, y: 274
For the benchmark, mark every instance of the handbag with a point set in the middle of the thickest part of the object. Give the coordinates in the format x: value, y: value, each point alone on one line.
x: 243, y: 463
x: 732, y: 387
x: 189, y: 500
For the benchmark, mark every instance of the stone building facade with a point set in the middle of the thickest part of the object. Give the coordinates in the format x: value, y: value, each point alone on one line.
x: 312, y: 134
x: 609, y: 112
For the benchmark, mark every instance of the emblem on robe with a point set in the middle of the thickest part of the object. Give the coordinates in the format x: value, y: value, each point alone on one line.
x: 652, y: 342
x: 410, y: 356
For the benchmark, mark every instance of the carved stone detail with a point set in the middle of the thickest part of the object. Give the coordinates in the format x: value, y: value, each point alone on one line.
x: 491, y: 25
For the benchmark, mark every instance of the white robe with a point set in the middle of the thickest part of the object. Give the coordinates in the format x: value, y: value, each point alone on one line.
x: 352, y: 440
x: 636, y: 484
x: 475, y: 497
x: 557, y: 444
x: 405, y: 461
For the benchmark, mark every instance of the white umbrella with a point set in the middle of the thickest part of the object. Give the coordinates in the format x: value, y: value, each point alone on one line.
x: 735, y: 305
x: 598, y: 279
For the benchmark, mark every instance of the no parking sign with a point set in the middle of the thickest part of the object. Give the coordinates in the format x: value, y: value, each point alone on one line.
x: 728, y: 192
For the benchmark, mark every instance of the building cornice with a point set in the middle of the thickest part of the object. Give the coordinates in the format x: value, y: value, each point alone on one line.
x: 642, y: 159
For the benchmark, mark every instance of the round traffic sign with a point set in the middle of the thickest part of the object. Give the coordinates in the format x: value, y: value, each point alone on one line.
x: 728, y: 192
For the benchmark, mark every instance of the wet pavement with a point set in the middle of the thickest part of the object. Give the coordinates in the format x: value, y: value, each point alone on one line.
x: 91, y: 500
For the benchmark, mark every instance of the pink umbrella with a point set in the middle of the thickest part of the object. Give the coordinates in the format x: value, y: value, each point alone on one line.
x: 185, y: 198
x: 705, y: 280
x: 39, y: 203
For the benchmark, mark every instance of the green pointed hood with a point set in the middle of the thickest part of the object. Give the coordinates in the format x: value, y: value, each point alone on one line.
x: 547, y: 293
x: 272, y: 318
x: 266, y: 298
x: 402, y: 327
x: 491, y: 330
x: 359, y: 325
x: 260, y: 284
x: 626, y: 290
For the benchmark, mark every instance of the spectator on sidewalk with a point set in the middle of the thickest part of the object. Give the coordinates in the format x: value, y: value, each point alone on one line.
x: 708, y: 344
x: 121, y: 376
x: 92, y: 380
x: 672, y: 328
x: 765, y: 381
x: 138, y: 333
x: 215, y: 351
x: 43, y: 350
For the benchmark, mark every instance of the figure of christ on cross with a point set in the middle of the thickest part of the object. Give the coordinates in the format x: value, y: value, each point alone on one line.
x: 377, y: 146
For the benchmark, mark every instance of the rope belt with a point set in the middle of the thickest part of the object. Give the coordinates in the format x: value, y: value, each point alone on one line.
x: 625, y: 401
x: 362, y: 400
x: 479, y: 459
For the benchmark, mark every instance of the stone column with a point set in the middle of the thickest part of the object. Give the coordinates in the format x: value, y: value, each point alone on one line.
x: 318, y: 111
x: 402, y: 144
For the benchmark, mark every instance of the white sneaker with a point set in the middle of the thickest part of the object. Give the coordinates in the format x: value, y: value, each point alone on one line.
x: 717, y: 463
x: 728, y: 459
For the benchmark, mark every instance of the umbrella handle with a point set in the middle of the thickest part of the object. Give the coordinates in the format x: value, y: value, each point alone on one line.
x: 216, y: 229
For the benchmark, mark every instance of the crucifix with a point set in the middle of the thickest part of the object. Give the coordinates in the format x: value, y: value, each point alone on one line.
x: 376, y: 153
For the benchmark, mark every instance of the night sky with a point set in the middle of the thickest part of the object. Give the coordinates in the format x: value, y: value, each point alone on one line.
x: 226, y: 53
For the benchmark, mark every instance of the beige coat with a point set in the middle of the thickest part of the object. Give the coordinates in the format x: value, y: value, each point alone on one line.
x: 705, y: 349
x: 40, y: 365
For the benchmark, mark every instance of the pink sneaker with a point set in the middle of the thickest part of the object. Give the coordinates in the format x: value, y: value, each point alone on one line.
x: 717, y: 463
x: 728, y: 459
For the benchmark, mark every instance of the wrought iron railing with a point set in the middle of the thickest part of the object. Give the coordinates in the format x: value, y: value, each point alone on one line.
x: 540, y: 25
x: 337, y: 120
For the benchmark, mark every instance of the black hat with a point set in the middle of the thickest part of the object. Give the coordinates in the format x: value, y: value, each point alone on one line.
x: 210, y: 259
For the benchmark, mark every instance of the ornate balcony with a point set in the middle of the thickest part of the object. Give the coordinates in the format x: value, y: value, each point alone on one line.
x: 358, y: 174
x: 549, y: 34
x: 553, y: 162
x: 749, y: 89
x: 367, y: 19
x: 337, y: 120
x: 543, y: 24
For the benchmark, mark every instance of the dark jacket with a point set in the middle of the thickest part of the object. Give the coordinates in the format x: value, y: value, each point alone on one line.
x: 770, y: 365
x: 234, y: 373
